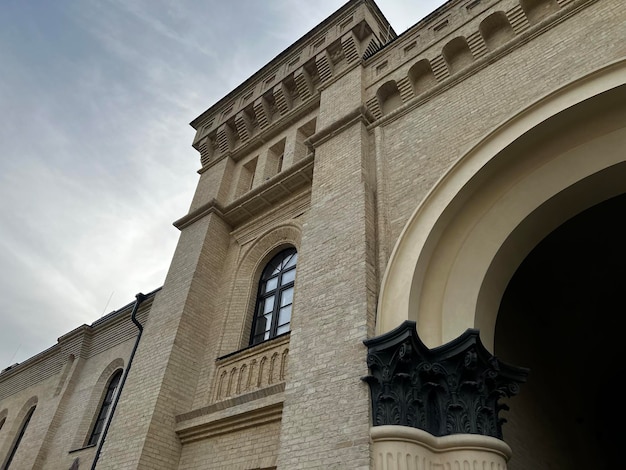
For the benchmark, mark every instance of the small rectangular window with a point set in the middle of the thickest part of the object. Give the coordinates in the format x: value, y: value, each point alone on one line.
x: 410, y: 47
x: 319, y: 44
x: 439, y: 26
x: 246, y: 177
x: 346, y: 24
x: 246, y: 97
x: 270, y: 80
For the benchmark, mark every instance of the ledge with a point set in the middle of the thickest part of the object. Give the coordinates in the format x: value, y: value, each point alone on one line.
x: 253, y: 409
x: 92, y: 446
x: 279, y: 187
x: 359, y: 114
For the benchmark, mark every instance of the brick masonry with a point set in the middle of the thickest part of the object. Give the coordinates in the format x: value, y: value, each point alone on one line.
x: 363, y: 141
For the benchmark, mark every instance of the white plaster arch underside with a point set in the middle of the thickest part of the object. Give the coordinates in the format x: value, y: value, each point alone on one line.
x: 459, y: 249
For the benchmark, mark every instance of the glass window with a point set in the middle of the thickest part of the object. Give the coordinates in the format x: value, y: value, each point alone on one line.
x: 19, y: 438
x: 109, y: 395
x: 272, y: 316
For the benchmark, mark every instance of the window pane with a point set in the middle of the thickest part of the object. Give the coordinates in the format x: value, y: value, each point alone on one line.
x: 284, y: 316
x: 282, y: 329
x: 97, y: 430
x: 288, y: 277
x: 291, y: 261
x: 19, y: 438
x: 286, y: 297
x: 269, y: 304
x: 260, y: 326
x: 271, y: 284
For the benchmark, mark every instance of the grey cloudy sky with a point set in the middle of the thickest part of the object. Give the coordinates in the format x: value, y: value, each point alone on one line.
x: 95, y: 147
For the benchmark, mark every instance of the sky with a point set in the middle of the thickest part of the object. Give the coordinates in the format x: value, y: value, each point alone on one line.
x: 96, y: 161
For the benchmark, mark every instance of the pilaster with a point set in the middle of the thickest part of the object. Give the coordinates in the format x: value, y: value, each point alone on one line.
x: 185, y: 320
x: 333, y: 309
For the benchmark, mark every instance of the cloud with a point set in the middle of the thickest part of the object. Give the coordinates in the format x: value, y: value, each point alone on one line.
x: 96, y: 151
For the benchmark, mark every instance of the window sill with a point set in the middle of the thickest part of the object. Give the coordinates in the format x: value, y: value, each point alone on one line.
x: 92, y: 446
x: 268, y: 342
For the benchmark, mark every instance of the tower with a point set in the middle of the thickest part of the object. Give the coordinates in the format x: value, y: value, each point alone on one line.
x: 369, y: 207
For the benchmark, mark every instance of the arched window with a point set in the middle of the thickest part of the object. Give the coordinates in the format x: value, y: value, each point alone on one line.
x: 272, y: 316
x: 19, y: 438
x: 107, y: 401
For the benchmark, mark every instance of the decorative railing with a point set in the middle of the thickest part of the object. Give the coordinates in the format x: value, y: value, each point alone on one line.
x: 251, y: 369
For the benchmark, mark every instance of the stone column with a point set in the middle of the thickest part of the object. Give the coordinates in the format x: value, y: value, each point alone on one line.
x: 437, y: 408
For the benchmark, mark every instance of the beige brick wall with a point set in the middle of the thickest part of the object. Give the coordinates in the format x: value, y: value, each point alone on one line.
x: 251, y: 448
x: 416, y: 148
x: 326, y: 418
x: 369, y: 176
x: 66, y: 382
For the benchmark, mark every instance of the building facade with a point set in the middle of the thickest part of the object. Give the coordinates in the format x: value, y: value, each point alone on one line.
x: 388, y: 233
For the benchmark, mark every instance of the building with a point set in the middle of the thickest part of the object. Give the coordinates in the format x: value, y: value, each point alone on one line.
x: 466, y: 175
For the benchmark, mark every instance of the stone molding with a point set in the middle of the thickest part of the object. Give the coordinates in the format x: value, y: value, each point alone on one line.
x: 294, y: 74
x: 208, y: 426
x: 404, y: 448
x: 278, y: 188
x: 359, y: 114
x: 447, y: 79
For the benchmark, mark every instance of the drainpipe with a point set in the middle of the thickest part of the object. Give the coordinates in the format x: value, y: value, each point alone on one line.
x: 139, y: 298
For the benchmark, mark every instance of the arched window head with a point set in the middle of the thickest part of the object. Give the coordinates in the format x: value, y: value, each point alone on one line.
x: 105, y: 408
x: 18, y: 440
x: 272, y: 316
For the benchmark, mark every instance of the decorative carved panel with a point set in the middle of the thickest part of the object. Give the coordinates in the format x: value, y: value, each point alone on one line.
x: 452, y: 389
x: 251, y: 369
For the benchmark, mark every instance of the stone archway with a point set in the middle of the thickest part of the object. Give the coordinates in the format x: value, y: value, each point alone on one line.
x: 451, y: 265
x: 561, y: 315
x: 456, y: 255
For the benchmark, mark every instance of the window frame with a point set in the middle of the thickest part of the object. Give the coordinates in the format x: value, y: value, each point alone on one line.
x: 111, y: 390
x: 276, y: 268
x: 20, y: 435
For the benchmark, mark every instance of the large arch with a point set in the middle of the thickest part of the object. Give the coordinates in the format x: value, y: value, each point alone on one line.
x: 461, y: 246
x: 561, y: 316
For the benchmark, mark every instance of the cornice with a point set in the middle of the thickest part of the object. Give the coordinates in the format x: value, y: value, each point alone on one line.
x: 571, y: 8
x: 77, y: 335
x: 306, y: 41
x: 359, y: 114
x: 265, y: 135
x: 281, y: 186
x: 232, y: 415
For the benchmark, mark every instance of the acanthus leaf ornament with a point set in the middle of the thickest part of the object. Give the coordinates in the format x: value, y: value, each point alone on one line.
x: 452, y: 389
